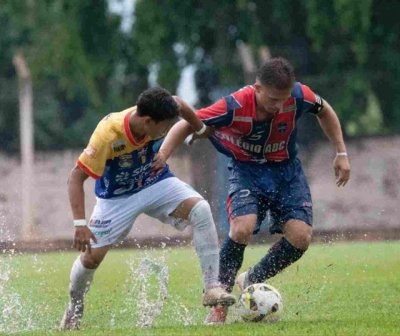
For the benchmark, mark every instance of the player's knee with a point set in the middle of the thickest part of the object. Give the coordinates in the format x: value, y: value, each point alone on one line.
x: 303, y: 240
x: 240, y: 230
x: 201, y: 215
x: 90, y: 261
x: 300, y: 237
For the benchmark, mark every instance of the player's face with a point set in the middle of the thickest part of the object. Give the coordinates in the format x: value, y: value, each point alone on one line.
x: 157, y: 129
x: 270, y: 100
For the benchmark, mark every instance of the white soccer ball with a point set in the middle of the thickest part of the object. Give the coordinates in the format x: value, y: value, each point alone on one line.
x: 260, y: 302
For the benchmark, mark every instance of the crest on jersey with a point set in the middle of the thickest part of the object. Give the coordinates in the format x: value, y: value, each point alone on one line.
x: 282, y: 127
x: 142, y: 154
x: 125, y: 161
x: 118, y: 146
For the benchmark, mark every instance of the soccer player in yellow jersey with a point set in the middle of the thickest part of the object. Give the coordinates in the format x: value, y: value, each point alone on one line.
x: 120, y: 156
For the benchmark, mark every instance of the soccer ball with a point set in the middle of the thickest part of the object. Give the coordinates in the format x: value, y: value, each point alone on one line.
x: 260, y: 302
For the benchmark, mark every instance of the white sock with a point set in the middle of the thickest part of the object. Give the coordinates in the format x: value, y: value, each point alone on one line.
x: 80, y: 280
x: 205, y: 240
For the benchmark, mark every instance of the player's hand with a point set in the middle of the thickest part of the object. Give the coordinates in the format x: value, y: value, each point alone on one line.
x: 341, y: 165
x: 193, y: 137
x: 82, y: 238
x: 158, y: 164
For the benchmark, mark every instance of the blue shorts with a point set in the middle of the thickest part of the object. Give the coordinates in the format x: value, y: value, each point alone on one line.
x: 280, y: 188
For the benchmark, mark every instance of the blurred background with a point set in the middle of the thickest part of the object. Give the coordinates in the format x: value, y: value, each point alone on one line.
x: 64, y: 64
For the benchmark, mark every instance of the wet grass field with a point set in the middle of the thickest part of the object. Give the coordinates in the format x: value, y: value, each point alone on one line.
x: 335, y: 289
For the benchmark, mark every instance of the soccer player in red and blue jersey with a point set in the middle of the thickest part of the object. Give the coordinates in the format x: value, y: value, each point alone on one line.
x: 256, y: 128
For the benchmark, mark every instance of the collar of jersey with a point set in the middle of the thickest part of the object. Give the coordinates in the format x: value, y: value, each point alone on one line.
x: 129, y: 134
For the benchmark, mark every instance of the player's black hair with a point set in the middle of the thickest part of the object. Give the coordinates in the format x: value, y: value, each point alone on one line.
x: 277, y: 72
x: 158, y: 104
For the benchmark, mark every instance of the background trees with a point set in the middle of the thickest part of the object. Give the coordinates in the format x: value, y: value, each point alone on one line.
x: 84, y: 65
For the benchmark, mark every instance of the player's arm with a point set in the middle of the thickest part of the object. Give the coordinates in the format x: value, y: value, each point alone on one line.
x: 330, y: 124
x: 190, y: 124
x: 76, y: 192
x: 91, y: 163
x: 175, y: 137
x: 215, y: 116
x: 187, y: 113
x: 76, y: 195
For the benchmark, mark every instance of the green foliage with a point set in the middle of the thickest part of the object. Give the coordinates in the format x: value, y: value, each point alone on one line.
x: 8, y: 111
x: 333, y: 44
x: 339, y: 37
x: 335, y: 289
x: 384, y: 60
x: 84, y: 66
x: 80, y: 62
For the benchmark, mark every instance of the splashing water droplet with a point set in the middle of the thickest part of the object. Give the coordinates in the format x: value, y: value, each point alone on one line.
x: 15, y: 315
x: 148, y: 284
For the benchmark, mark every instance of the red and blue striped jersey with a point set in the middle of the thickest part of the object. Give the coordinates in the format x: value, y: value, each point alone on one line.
x: 239, y: 135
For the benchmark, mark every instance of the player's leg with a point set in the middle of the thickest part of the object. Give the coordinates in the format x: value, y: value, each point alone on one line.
x: 243, y: 218
x: 233, y: 247
x: 176, y: 201
x: 197, y: 211
x: 242, y: 207
x: 110, y: 222
x: 81, y: 277
x: 298, y: 233
x: 289, y: 249
x: 293, y: 217
x: 205, y: 239
x: 231, y: 259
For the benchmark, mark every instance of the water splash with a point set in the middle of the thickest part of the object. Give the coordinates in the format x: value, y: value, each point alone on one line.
x: 149, y: 289
x: 37, y: 264
x: 181, y: 313
x: 147, y: 286
x: 15, y: 314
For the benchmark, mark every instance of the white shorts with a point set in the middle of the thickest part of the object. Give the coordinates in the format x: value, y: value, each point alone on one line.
x: 113, y: 218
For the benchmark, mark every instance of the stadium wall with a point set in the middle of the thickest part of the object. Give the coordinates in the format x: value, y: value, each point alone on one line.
x: 368, y: 207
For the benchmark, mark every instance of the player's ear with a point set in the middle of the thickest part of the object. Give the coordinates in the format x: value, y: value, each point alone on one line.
x: 257, y: 86
x: 147, y: 120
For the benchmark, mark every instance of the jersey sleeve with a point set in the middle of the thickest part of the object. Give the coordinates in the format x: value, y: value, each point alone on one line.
x: 218, y: 114
x: 312, y: 103
x: 94, y: 157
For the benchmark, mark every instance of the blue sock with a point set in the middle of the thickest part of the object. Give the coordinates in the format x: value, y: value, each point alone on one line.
x: 281, y: 255
x: 230, y: 261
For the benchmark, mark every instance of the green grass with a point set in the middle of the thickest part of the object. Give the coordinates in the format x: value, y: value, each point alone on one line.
x: 336, y: 289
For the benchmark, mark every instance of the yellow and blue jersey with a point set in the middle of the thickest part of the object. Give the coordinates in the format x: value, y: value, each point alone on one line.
x: 120, y: 164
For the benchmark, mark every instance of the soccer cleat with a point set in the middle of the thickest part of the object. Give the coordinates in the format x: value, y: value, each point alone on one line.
x: 72, y: 317
x: 218, y: 296
x: 217, y: 315
x: 242, y: 281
